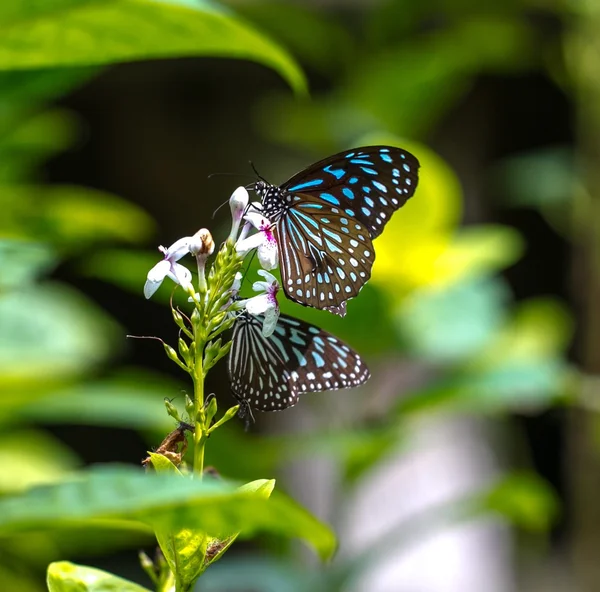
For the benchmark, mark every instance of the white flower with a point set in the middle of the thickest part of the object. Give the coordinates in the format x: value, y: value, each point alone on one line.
x: 266, y: 303
x: 263, y: 241
x: 237, y: 202
x: 169, y: 267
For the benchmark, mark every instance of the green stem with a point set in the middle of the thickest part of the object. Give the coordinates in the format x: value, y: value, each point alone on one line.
x: 167, y: 583
x: 200, y: 431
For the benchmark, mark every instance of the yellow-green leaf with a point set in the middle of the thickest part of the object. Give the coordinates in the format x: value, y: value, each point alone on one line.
x: 96, y: 32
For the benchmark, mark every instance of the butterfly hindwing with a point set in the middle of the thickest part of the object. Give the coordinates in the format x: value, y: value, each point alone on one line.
x: 270, y: 373
x: 325, y: 256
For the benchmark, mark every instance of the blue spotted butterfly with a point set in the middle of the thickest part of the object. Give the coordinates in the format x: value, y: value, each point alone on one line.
x: 270, y: 373
x: 326, y: 216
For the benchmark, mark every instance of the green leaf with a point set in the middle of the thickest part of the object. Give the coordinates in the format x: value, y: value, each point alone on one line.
x: 32, y: 87
x: 316, y: 38
x: 541, y: 328
x: 30, y: 458
x: 22, y: 262
x: 481, y: 249
x: 26, y: 139
x: 126, y: 269
x: 64, y: 576
x: 163, y: 465
x: 434, y: 327
x: 185, y: 552
x: 49, y: 331
x: 127, y: 400
x: 524, y: 499
x: 74, y: 216
x: 409, y: 88
x: 189, y: 552
x: 75, y: 33
x: 164, y: 502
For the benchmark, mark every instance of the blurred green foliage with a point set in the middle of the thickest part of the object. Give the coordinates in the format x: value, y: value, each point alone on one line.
x: 436, y: 297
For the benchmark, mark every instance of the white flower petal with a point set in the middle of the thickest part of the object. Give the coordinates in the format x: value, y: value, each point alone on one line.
x: 159, y: 272
x: 268, y: 255
x: 270, y: 322
x: 238, y: 201
x: 260, y: 304
x: 180, y: 275
x: 245, y: 245
x: 257, y: 220
x: 260, y: 286
x: 150, y: 287
x: 179, y: 248
x: 269, y: 277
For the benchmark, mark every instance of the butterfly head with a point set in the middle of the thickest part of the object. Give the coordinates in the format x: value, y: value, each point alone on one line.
x: 272, y: 199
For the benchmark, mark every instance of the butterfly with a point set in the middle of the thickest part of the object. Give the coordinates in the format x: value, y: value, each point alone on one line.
x: 270, y: 373
x: 326, y: 217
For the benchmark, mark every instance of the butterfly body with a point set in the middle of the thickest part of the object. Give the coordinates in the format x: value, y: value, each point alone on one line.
x: 326, y: 216
x: 270, y: 373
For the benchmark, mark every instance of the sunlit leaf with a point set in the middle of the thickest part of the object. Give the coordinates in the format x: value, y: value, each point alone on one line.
x: 162, y: 464
x: 478, y: 250
x: 420, y: 232
x: 164, y: 502
x: 64, y: 576
x: 189, y: 552
x: 69, y: 33
x: 73, y: 216
x: 32, y: 458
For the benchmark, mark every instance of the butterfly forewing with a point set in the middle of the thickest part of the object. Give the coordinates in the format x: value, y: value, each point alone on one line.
x: 368, y: 183
x: 326, y: 216
x: 270, y: 373
x: 325, y: 255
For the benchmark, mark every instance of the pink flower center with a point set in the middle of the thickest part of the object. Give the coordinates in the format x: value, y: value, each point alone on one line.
x: 272, y: 291
x: 266, y: 230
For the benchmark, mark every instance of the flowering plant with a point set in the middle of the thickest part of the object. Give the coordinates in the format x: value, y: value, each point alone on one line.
x: 216, y: 303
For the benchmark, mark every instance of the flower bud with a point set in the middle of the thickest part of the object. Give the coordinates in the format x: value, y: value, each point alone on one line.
x: 237, y: 202
x: 203, y: 244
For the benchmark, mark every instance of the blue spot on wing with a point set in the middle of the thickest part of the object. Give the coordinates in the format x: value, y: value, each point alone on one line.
x: 307, y: 184
x: 319, y: 361
x: 337, y: 173
x: 330, y: 198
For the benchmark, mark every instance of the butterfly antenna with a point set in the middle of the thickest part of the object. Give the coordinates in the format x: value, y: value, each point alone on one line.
x: 219, y: 207
x: 228, y: 175
x: 256, y: 172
